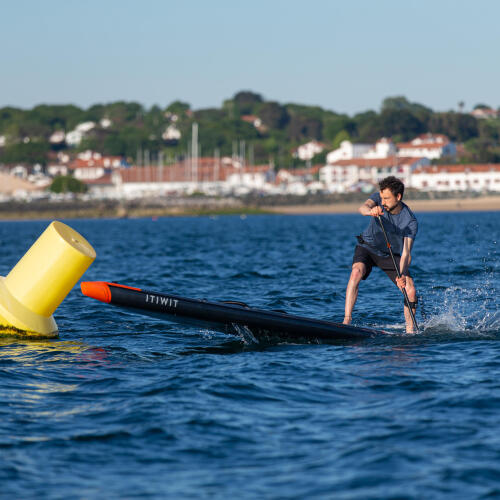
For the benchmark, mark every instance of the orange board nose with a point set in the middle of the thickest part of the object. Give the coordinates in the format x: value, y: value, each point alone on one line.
x: 97, y: 290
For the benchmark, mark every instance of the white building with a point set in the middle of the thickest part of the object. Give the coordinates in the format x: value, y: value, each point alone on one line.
x: 298, y: 181
x: 253, y: 120
x: 348, y: 151
x: 55, y: 169
x: 432, y: 146
x: 58, y: 137
x: 477, y: 178
x: 308, y: 150
x: 74, y: 137
x: 355, y: 174
x: 383, y: 148
x: 92, y: 166
x: 485, y: 113
x: 171, y: 133
x: 105, y: 123
x: 209, y: 176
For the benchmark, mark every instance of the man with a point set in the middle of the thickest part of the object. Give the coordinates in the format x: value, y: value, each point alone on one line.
x: 401, y: 227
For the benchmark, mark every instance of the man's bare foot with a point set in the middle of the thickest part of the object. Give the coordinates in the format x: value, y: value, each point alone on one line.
x: 347, y: 320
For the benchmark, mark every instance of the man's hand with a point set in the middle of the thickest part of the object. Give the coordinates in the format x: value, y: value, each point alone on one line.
x: 401, y: 282
x: 376, y: 211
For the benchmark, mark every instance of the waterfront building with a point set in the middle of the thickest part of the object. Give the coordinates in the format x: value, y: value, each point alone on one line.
x: 359, y: 174
x: 445, y: 178
x: 211, y: 176
x: 298, y: 181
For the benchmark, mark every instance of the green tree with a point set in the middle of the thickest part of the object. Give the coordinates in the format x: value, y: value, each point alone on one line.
x: 122, y: 112
x: 273, y: 115
x: 457, y: 126
x: 67, y: 184
x: 368, y: 126
x: 178, y: 108
x: 302, y: 128
x: 333, y: 124
x: 30, y: 153
x: 401, y: 123
x: 246, y: 102
x: 482, y: 106
x: 342, y: 136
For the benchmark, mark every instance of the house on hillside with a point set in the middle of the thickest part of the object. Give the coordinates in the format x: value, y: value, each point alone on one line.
x: 75, y: 137
x: 253, y: 120
x: 171, y: 134
x: 348, y: 151
x: 383, y: 148
x: 307, y: 151
x: 57, y: 163
x: 485, y: 113
x: 432, y: 146
x: 58, y: 138
x: 91, y: 166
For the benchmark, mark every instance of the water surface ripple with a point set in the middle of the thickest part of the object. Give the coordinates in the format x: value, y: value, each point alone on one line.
x: 123, y: 405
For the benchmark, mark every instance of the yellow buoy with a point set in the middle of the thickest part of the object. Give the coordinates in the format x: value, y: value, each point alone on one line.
x: 40, y: 281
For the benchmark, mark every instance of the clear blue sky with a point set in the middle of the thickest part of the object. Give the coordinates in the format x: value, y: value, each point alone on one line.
x: 342, y: 55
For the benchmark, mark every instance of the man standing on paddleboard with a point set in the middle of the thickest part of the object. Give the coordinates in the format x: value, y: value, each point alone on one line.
x: 385, y: 207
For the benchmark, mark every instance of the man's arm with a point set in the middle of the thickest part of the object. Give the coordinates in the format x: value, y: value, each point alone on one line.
x: 405, y: 261
x: 369, y: 207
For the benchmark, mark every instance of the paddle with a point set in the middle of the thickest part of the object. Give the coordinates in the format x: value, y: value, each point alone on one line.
x: 407, y: 301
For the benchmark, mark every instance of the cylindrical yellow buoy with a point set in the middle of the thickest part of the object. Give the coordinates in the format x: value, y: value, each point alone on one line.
x: 40, y: 281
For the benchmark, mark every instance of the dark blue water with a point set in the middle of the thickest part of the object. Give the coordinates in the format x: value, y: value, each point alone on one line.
x: 123, y: 405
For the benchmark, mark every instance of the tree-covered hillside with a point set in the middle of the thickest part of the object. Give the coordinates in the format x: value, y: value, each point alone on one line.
x: 268, y: 130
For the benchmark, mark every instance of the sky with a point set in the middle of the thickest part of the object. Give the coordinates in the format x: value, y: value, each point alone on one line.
x: 345, y: 56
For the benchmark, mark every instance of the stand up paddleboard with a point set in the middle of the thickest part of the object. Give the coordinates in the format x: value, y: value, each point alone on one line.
x: 227, y: 317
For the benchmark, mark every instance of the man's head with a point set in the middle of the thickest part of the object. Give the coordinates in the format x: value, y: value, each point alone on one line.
x: 391, y: 192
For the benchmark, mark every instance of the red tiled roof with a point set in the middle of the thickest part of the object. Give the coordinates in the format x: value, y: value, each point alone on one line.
x: 485, y: 112
x: 429, y: 141
x: 249, y: 118
x: 391, y: 161
x: 430, y: 136
x: 456, y: 169
x: 206, y: 171
x: 104, y: 162
x: 425, y: 145
x: 301, y: 172
x: 104, y: 180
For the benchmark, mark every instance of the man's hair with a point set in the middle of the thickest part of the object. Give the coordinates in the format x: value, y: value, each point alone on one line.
x: 393, y: 184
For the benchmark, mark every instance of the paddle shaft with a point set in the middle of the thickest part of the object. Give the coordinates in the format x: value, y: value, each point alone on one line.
x: 407, y: 301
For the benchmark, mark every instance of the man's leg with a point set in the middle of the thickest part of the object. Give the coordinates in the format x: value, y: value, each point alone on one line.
x: 412, y: 296
x: 351, y: 293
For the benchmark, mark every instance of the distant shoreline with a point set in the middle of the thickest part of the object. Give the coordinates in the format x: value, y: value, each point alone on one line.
x: 480, y: 204
x: 79, y: 210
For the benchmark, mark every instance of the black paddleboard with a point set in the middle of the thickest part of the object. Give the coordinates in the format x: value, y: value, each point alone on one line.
x: 227, y: 317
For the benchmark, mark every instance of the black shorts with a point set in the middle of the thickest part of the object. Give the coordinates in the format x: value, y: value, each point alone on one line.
x: 369, y: 259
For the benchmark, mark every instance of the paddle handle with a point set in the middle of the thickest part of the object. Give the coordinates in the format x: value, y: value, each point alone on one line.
x: 405, y: 295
